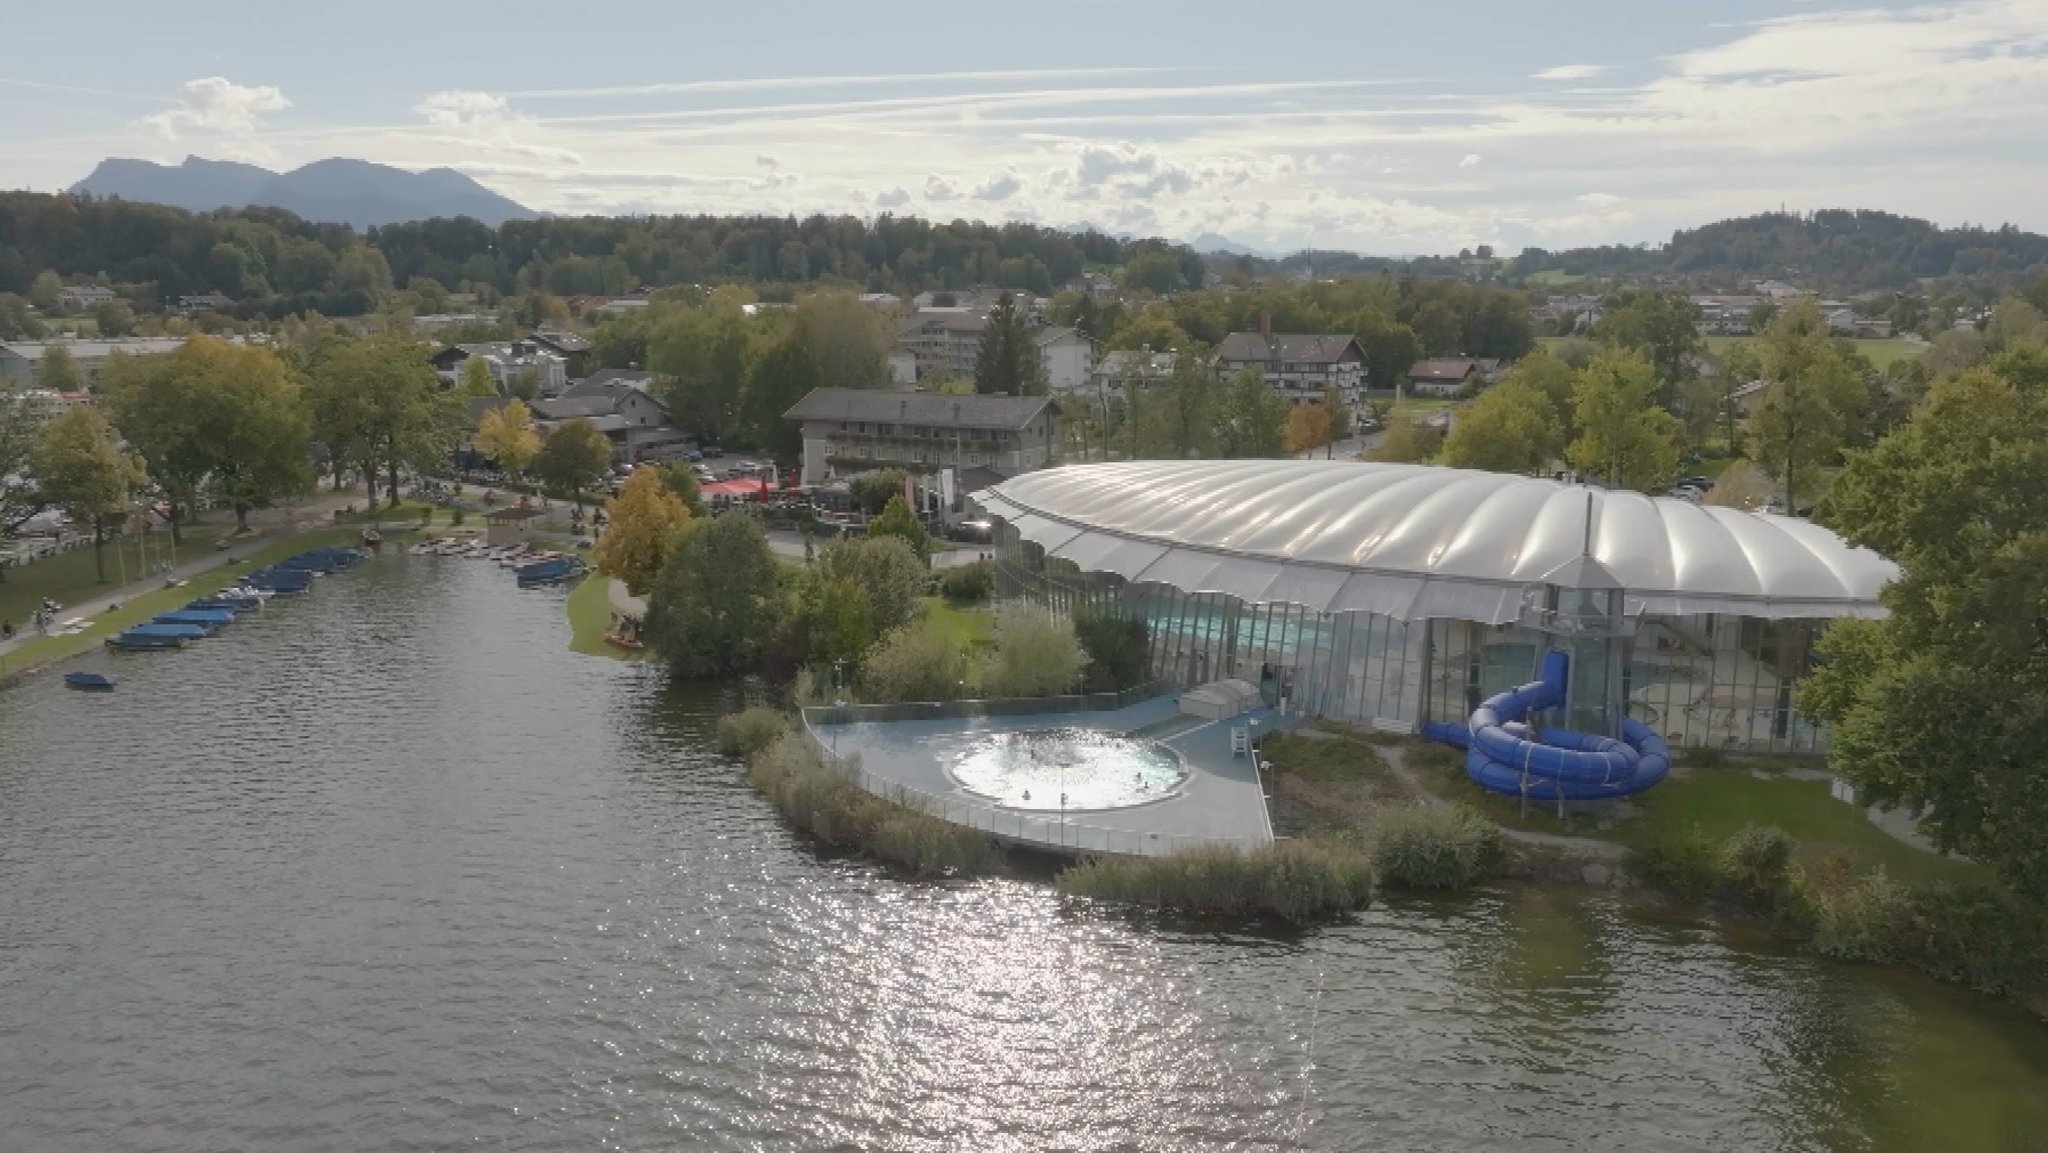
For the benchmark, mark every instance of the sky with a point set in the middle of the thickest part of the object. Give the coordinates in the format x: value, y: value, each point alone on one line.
x: 1348, y: 124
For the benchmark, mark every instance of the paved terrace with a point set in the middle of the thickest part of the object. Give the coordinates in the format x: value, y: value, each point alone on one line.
x: 1221, y: 800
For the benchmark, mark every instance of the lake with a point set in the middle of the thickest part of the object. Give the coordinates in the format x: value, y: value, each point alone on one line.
x: 387, y: 867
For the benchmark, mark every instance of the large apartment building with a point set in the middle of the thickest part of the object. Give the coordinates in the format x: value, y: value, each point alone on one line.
x: 847, y: 431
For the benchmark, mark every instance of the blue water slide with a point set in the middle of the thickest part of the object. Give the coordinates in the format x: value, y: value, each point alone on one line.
x: 1505, y: 754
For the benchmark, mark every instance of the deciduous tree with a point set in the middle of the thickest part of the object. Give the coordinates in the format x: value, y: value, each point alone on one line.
x: 477, y: 380
x: 21, y: 427
x: 715, y: 599
x: 573, y: 457
x: 1308, y: 428
x: 507, y: 435
x: 897, y: 521
x: 1510, y: 428
x: 781, y: 376
x: 1624, y: 437
x: 1810, y: 403
x: 1942, y: 707
x: 58, y: 371
x: 1036, y: 655
x: 81, y: 468
x: 847, y: 341
x: 1251, y: 418
x: 640, y: 526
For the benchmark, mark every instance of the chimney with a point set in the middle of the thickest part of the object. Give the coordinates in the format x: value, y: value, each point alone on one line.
x: 1266, y: 325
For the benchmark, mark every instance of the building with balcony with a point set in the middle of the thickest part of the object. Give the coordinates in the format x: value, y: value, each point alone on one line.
x: 1297, y: 366
x: 847, y: 431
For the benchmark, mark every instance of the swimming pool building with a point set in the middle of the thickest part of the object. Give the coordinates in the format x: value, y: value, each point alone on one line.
x: 1395, y: 595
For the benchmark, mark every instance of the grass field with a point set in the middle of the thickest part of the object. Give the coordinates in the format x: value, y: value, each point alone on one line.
x: 141, y: 608
x: 70, y: 577
x: 1880, y: 352
x: 973, y: 629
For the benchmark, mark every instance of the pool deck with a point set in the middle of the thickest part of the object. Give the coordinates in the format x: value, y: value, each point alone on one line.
x: 1221, y: 801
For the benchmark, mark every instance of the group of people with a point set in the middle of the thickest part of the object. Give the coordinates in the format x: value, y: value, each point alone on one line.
x: 39, y: 620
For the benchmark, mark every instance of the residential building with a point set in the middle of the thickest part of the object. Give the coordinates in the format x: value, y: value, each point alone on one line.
x: 1579, y: 312
x: 882, y: 301
x: 202, y: 302
x: 436, y: 321
x: 1119, y: 372
x: 1298, y: 366
x: 1068, y: 355
x: 629, y: 417
x: 942, y: 342
x: 604, y: 377
x: 83, y: 297
x: 509, y: 362
x: 1447, y: 376
x: 21, y: 360
x: 848, y: 431
x: 573, y: 349
x: 1845, y: 322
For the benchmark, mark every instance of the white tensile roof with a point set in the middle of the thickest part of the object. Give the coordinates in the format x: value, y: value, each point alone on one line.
x: 1416, y: 542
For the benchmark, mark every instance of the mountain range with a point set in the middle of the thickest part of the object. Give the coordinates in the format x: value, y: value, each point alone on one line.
x: 352, y: 192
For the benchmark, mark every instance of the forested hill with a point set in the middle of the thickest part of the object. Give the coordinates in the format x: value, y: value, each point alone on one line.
x: 271, y: 261
x: 1838, y: 249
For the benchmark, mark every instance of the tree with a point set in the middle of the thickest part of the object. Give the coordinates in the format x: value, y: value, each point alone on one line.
x: 477, y: 381
x: 81, y: 468
x: 1391, y: 348
x: 113, y: 318
x: 1036, y: 654
x: 888, y: 571
x: 1308, y: 428
x: 506, y: 434
x: 1550, y: 376
x: 59, y: 372
x: 1510, y: 428
x: 1939, y: 708
x: 16, y: 321
x: 700, y: 356
x: 377, y: 404
x: 846, y: 340
x: 1700, y: 403
x: 898, y: 521
x: 1809, y: 405
x: 1251, y: 418
x: 1408, y: 442
x: 1179, y: 417
x: 1342, y: 422
x: 1153, y: 330
x: 1623, y: 436
x: 715, y: 598
x: 1118, y: 651
x: 918, y: 662
x: 681, y: 480
x: 783, y: 375
x: 640, y: 526
x: 872, y: 491
x: 573, y: 457
x: 1741, y: 485
x: 1008, y: 361
x: 21, y: 428
x: 44, y: 292
x: 1663, y: 327
x: 212, y: 415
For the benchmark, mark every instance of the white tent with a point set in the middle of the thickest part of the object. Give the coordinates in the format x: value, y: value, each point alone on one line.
x: 1221, y: 699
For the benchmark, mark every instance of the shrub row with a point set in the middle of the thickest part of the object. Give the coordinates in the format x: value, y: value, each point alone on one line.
x: 745, y: 733
x: 1433, y: 847
x: 827, y: 805
x: 1297, y: 881
x: 1974, y: 933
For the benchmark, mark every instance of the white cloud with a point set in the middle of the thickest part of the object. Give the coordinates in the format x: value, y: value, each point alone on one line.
x: 216, y: 104
x: 1571, y: 72
x: 483, y: 122
x: 1471, y: 160
x: 1599, y: 199
x: 894, y: 198
x: 460, y: 108
x: 938, y: 188
x: 1001, y: 186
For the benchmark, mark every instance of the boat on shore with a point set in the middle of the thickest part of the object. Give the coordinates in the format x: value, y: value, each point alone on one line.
x: 143, y: 638
x: 89, y: 682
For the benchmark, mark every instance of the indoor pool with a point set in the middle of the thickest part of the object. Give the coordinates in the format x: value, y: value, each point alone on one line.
x: 1094, y: 769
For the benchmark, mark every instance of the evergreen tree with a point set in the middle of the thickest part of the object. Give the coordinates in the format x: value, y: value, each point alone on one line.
x: 1008, y: 360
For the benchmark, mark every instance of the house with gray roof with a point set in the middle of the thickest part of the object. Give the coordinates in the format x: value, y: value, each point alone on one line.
x: 21, y: 361
x: 847, y: 431
x: 631, y: 418
x: 1299, y: 366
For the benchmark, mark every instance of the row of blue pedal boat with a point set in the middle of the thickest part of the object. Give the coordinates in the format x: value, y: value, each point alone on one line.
x: 208, y: 615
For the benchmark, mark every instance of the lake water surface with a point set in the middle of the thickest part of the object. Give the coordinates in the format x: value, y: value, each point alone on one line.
x: 389, y: 868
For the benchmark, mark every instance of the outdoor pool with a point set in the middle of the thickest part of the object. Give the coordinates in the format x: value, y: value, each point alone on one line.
x: 1093, y: 769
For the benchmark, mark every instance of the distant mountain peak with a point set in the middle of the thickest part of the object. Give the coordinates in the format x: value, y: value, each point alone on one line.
x: 337, y: 190
x: 1217, y: 244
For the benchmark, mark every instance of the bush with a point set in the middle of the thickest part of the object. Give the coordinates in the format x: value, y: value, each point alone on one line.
x: 969, y: 583
x: 746, y: 733
x: 1435, y: 758
x: 838, y: 812
x: 1864, y: 919
x: 1432, y: 846
x: 887, y: 571
x: 1686, y: 863
x: 918, y: 662
x: 1753, y: 864
x: 1980, y: 935
x: 1118, y: 648
x: 1296, y: 881
x: 1037, y: 655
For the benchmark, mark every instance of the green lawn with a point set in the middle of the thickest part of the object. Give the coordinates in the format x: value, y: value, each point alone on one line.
x: 1881, y: 352
x: 1720, y: 801
x: 69, y: 578
x: 140, y: 608
x: 590, y: 618
x: 971, y: 628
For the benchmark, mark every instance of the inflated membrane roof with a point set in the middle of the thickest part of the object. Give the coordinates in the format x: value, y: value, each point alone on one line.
x: 1416, y: 542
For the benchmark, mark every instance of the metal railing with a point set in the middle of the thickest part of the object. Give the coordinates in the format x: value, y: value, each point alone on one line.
x: 1035, y: 828
x: 851, y: 714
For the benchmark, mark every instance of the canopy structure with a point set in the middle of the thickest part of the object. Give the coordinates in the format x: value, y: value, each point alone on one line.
x: 1415, y: 542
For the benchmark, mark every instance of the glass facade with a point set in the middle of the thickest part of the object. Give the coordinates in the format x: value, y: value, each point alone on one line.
x: 1701, y: 681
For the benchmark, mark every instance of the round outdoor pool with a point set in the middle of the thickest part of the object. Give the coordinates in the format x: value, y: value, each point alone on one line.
x: 1095, y: 770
